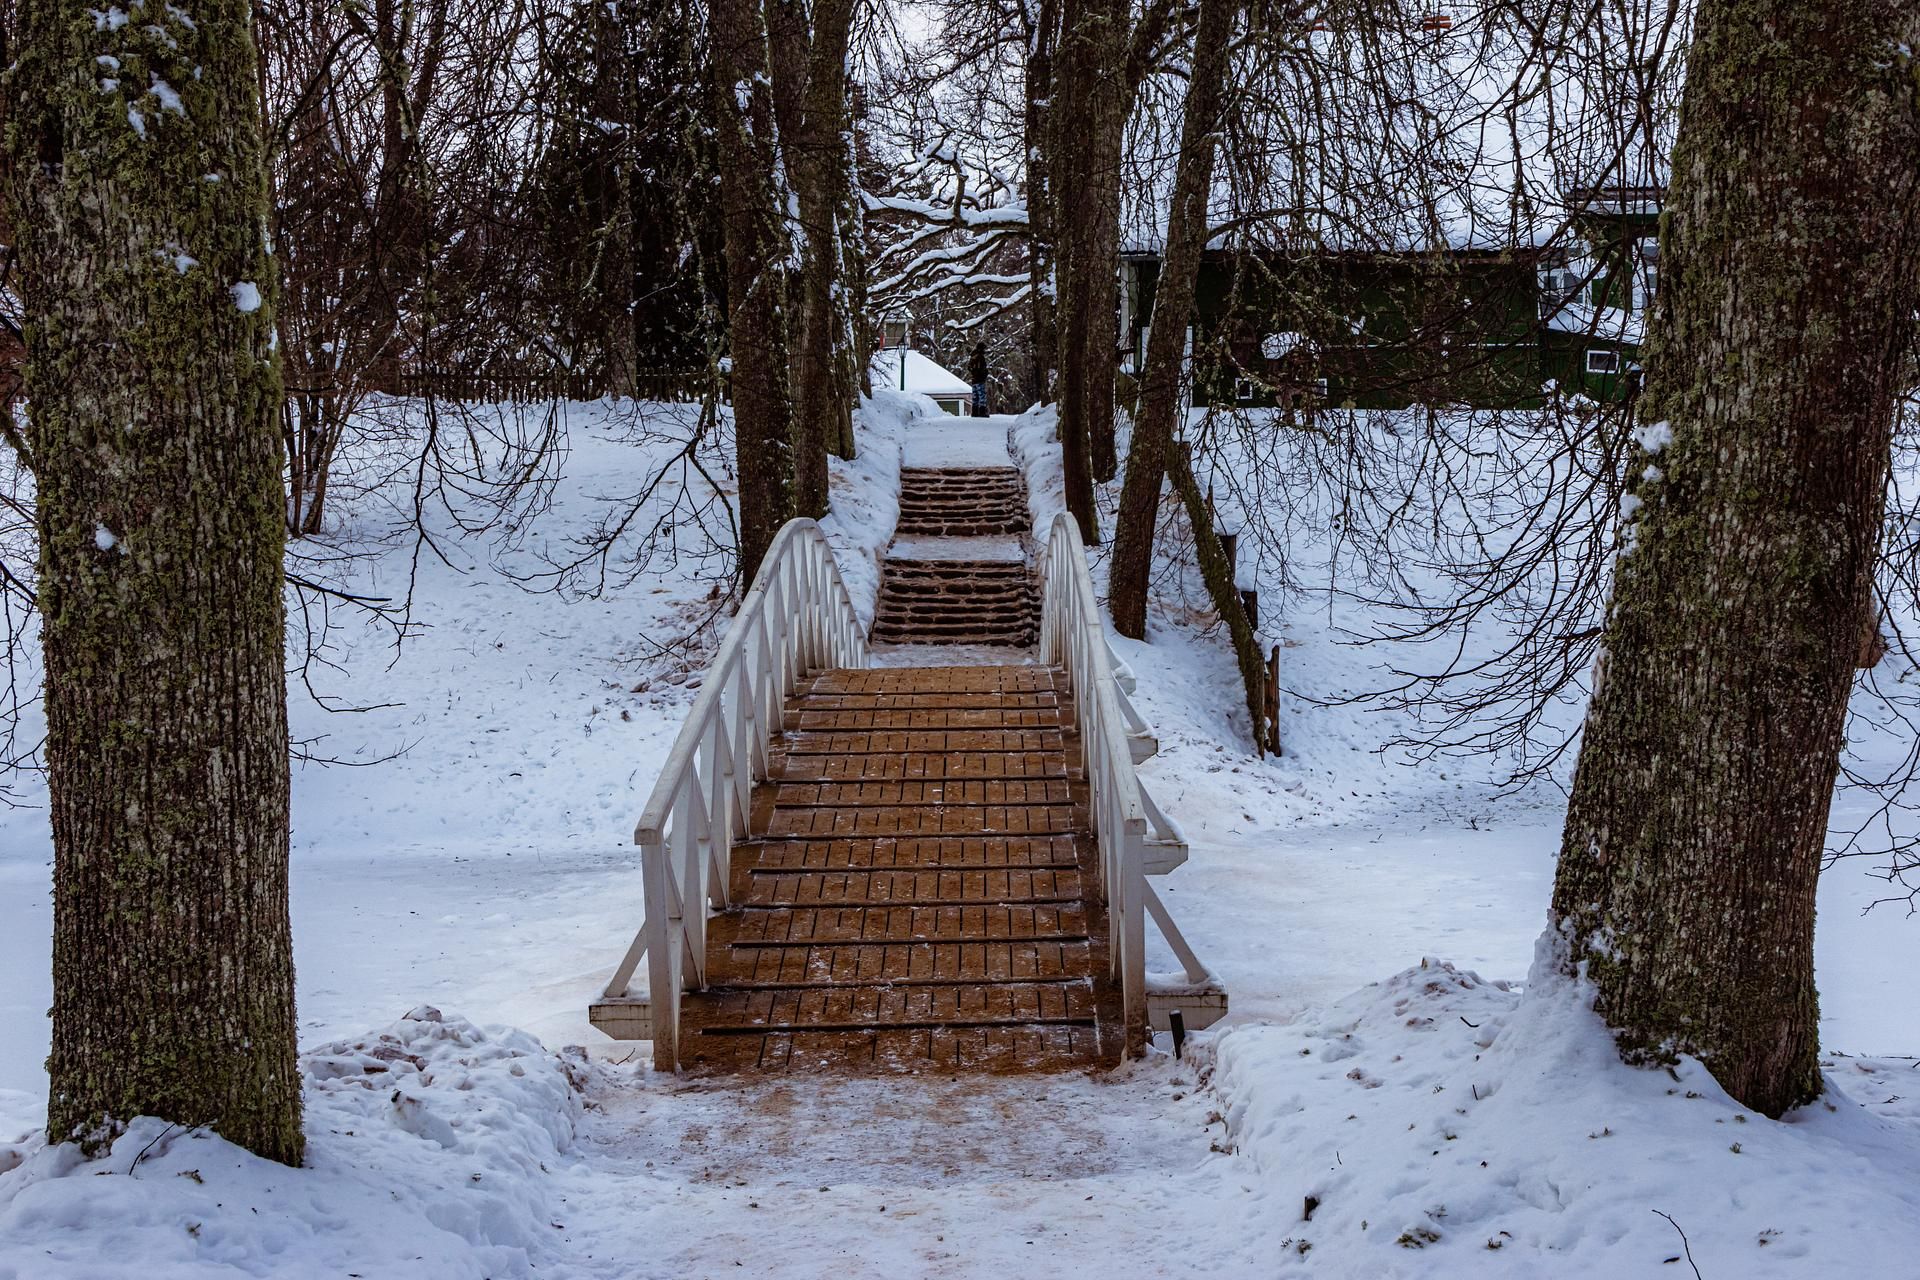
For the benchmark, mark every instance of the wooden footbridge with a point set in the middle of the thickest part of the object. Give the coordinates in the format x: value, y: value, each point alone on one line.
x: 897, y: 868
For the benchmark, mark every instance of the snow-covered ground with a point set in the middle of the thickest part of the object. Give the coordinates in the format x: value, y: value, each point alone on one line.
x: 1371, y: 1109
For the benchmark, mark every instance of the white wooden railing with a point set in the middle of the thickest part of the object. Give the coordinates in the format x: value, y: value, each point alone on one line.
x: 796, y: 619
x: 1126, y: 822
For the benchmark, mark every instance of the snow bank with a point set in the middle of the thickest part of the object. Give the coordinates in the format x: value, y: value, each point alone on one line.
x: 863, y: 495
x: 1038, y: 453
x: 1436, y: 1124
x: 428, y: 1146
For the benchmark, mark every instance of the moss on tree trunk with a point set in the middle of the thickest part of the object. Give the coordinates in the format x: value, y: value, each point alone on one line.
x: 155, y: 399
x: 1790, y: 271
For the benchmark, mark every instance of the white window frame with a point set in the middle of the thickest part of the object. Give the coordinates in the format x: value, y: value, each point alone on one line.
x: 1243, y: 390
x: 1610, y: 359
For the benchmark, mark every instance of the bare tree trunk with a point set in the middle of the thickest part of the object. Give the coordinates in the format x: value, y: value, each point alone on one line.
x: 155, y: 401
x: 1173, y: 309
x: 1089, y: 115
x: 812, y: 77
x: 1791, y: 265
x: 850, y: 301
x: 756, y: 247
x: 1043, y: 339
x: 1216, y: 570
x: 613, y: 93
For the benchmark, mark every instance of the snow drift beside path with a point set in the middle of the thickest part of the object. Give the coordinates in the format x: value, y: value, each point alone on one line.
x: 428, y: 1146
x: 863, y: 495
x: 1436, y: 1124
x: 1039, y: 455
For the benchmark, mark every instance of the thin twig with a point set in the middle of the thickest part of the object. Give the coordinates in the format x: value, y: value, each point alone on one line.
x: 1683, y: 1244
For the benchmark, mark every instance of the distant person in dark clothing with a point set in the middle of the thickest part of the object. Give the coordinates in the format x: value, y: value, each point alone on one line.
x: 977, y: 375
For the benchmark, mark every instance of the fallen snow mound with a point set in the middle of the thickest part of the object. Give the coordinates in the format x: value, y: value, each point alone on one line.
x: 1436, y: 1124
x: 427, y: 1143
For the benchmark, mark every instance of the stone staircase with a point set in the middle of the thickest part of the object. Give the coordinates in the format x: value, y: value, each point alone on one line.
x: 957, y: 572
x: 962, y: 502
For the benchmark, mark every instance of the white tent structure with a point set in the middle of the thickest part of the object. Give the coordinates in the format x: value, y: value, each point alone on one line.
x: 903, y: 369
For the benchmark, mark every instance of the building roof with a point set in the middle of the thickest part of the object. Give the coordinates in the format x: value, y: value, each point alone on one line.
x: 924, y: 377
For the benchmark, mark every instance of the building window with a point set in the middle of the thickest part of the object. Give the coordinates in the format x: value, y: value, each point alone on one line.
x: 1243, y: 390
x: 1602, y: 361
x: 1558, y: 285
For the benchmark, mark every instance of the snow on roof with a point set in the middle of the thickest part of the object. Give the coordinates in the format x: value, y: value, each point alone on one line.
x: 924, y: 377
x: 1609, y: 323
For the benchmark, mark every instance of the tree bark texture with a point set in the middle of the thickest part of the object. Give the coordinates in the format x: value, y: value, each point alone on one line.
x: 613, y: 103
x: 1173, y: 310
x: 155, y: 396
x: 1089, y: 119
x: 757, y: 252
x: 810, y: 77
x: 1043, y: 340
x: 1790, y: 257
x: 1216, y: 570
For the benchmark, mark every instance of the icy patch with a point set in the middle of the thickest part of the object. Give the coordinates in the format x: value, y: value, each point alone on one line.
x: 429, y: 1146
x: 949, y: 655
x: 1439, y: 1124
x: 999, y: 549
x: 958, y: 442
x: 246, y: 297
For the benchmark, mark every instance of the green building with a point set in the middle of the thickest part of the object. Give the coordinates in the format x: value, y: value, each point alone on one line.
x: 1370, y: 329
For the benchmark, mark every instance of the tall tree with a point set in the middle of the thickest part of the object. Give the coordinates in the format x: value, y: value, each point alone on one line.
x: 1041, y: 27
x: 1173, y: 311
x: 810, y: 85
x: 1088, y: 119
x: 141, y: 199
x: 757, y: 253
x: 1791, y: 273
x: 614, y: 111
x: 1102, y: 57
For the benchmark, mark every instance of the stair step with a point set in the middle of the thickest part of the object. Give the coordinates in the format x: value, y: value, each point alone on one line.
x: 768, y: 856
x: 977, y: 791
x: 872, y: 1007
x: 1002, y: 1048
x: 975, y: 766
x: 968, y: 630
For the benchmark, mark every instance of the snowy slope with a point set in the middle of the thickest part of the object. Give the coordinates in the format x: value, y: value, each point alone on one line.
x: 486, y: 869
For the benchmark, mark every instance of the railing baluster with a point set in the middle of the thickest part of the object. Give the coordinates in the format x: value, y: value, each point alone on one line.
x: 744, y: 750
x: 1073, y: 638
x: 719, y: 803
x: 796, y: 618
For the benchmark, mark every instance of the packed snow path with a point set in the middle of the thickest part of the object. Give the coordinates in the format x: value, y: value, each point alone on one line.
x: 957, y: 572
x: 914, y: 888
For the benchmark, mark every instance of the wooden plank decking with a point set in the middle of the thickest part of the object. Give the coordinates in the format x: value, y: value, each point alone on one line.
x: 919, y: 889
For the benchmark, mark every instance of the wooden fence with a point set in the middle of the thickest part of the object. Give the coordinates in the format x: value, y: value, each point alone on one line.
x: 522, y: 387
